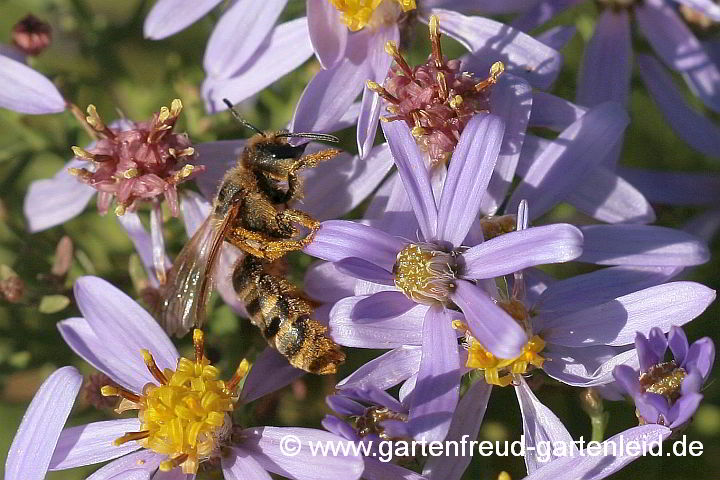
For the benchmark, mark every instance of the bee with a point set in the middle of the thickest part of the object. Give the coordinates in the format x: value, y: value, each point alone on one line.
x: 251, y: 212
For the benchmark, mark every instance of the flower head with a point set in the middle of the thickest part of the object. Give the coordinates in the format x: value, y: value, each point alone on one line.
x: 435, y: 99
x: 667, y: 392
x: 143, y: 162
x: 358, y: 14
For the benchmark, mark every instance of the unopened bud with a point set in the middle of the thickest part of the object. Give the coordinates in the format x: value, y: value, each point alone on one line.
x: 31, y: 35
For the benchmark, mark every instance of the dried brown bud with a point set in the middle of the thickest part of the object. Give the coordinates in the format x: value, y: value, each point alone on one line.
x: 12, y: 287
x: 91, y: 391
x: 31, y: 35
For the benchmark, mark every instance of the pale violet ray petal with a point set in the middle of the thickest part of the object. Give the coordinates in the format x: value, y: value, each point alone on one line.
x: 542, y: 12
x: 675, y: 188
x: 471, y: 167
x: 558, y: 37
x: 647, y: 245
x: 617, y: 322
x: 581, y: 146
x: 32, y: 448
x: 559, y: 366
x: 285, y: 49
x: 144, y: 459
x: 217, y: 157
x: 270, y: 372
x: 25, y: 90
x: 707, y: 7
x: 606, y: 66
x: 92, y: 443
x: 168, y: 17
x: 555, y: 113
x: 387, y: 370
x: 414, y: 174
x: 328, y: 34
x: 240, y: 465
x: 227, y: 50
x: 540, y: 426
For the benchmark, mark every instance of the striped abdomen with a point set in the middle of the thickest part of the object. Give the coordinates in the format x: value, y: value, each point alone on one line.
x: 277, y: 308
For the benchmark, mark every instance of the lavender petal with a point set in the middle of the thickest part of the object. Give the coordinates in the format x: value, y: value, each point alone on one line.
x: 240, y: 465
x: 387, y: 370
x: 92, y: 443
x: 168, y: 17
x: 270, y: 372
x: 24, y: 90
x: 328, y: 34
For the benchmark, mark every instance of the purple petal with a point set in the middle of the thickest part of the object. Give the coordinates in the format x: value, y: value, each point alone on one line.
x: 556, y: 243
x: 342, y: 183
x: 387, y: 370
x: 470, y: 170
x: 438, y: 383
x: 286, y: 48
x: 600, y: 286
x: 146, y: 460
x: 554, y: 112
x: 540, y: 426
x: 489, y: 324
x: 627, y: 377
x: 702, y: 356
x: 270, y: 372
x: 587, y: 367
x: 328, y: 33
x: 491, y: 41
x: 331, y: 92
x: 143, y: 245
x: 364, y: 270
x: 558, y: 37
x: 696, y: 130
x: 81, y: 338
x: 195, y: 209
x: 394, y: 213
x: 226, y: 51
x: 606, y: 67
x: 657, y: 341
x: 344, y: 406
x: 597, y: 467
x: 675, y: 188
x: 339, y: 427
x: 168, y: 17
x: 32, y: 448
x: 371, y: 103
x: 133, y: 474
x: 338, y: 239
x: 93, y: 443
x: 707, y: 7
x: 217, y: 157
x: 542, y: 12
x: 641, y: 245
x: 117, y: 320
x: 610, y: 198
x: 616, y: 322
x: 684, y: 408
x: 325, y: 283
x: 390, y: 332
x: 264, y: 445
x: 559, y: 167
x: 415, y: 177
x: 56, y: 200
x: 240, y: 465
x: 678, y: 343
x: 464, y: 427
x: 512, y: 99
x: 24, y: 90
x: 380, y: 306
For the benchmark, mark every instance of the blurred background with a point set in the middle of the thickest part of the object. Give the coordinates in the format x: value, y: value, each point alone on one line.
x: 99, y: 56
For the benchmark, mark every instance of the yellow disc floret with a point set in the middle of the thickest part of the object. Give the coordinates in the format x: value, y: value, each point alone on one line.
x: 424, y: 274
x: 499, y: 371
x: 186, y: 416
x: 357, y: 14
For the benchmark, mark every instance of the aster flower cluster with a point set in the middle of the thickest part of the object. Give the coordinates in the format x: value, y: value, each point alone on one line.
x: 491, y: 241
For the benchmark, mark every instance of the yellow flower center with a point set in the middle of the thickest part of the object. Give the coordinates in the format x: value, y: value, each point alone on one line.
x: 499, y: 371
x: 186, y: 417
x: 357, y: 14
x: 423, y: 274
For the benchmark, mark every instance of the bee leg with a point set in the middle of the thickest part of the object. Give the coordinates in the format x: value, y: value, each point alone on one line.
x: 263, y: 246
x: 314, y: 159
x: 291, y: 216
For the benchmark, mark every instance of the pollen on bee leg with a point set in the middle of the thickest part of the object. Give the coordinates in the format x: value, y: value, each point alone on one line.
x: 153, y: 368
x: 131, y: 436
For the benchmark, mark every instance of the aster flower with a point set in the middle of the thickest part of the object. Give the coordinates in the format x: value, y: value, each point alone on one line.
x: 22, y: 88
x: 667, y: 392
x: 606, y: 69
x: 123, y: 341
x: 423, y: 281
x: 336, y: 88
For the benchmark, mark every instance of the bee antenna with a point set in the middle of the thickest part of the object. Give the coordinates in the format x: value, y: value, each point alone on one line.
x: 313, y: 136
x: 241, y: 120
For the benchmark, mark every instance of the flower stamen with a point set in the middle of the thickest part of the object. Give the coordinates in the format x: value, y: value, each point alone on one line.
x: 425, y: 274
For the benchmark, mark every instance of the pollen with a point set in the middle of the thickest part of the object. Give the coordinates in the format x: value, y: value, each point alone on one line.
x: 664, y: 379
x: 186, y: 416
x: 358, y: 14
x: 500, y: 371
x: 424, y: 274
